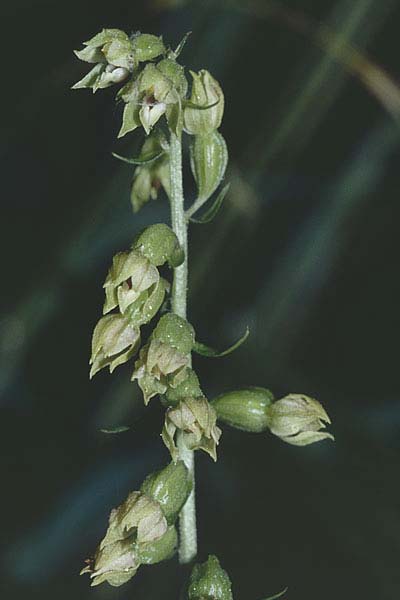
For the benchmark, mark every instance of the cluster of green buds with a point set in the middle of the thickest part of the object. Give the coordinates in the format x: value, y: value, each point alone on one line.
x: 295, y: 419
x: 142, y: 529
x: 134, y: 287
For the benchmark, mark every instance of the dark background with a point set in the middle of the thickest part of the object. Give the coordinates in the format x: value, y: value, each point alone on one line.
x: 304, y: 252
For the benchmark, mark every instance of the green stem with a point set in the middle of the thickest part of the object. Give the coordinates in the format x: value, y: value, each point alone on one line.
x: 187, y: 520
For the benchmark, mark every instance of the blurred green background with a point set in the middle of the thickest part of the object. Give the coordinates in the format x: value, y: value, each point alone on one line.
x: 305, y: 252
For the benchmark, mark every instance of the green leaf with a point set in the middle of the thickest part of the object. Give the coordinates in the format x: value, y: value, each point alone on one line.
x: 277, y: 595
x: 210, y: 213
x: 140, y: 160
x: 113, y: 430
x: 204, y: 350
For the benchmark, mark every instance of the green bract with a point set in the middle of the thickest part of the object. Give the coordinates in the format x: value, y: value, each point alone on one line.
x: 209, y: 581
x: 298, y: 420
x: 196, y: 419
x: 245, y: 409
x: 206, y: 92
x: 115, y: 340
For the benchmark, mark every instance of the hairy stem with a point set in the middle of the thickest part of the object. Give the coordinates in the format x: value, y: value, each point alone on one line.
x: 187, y: 520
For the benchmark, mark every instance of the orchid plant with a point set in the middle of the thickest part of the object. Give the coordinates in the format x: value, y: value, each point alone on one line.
x: 154, y: 92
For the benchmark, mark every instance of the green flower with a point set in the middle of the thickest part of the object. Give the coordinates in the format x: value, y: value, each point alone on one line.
x: 155, y: 92
x: 136, y: 523
x: 163, y: 360
x: 196, y: 419
x: 131, y: 278
x: 115, y: 340
x: 115, y: 55
x: 298, y: 420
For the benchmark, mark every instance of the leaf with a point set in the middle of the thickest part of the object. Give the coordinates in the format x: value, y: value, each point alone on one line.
x: 211, y: 212
x: 140, y: 160
x: 277, y: 595
x: 204, y: 350
x: 113, y: 430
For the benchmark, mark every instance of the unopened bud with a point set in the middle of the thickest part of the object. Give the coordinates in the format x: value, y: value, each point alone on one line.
x: 206, y: 91
x: 209, y: 581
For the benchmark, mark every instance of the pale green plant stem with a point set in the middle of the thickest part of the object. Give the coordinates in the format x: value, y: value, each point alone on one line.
x: 187, y: 520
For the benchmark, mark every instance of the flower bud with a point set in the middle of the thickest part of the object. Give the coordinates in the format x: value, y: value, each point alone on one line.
x: 208, y: 159
x: 298, y: 420
x: 159, y: 550
x: 206, y: 91
x: 196, y: 419
x: 245, y: 409
x: 114, y: 342
x: 209, y: 581
x: 170, y: 487
x: 159, y: 244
